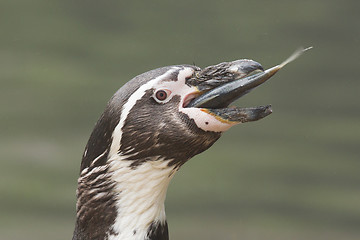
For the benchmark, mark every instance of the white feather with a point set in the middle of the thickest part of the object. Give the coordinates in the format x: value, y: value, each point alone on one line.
x: 140, y: 196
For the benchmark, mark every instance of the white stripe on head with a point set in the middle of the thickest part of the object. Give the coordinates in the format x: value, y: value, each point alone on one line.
x: 138, y: 94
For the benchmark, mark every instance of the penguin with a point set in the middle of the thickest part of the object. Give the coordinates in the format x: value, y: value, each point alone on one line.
x: 150, y: 127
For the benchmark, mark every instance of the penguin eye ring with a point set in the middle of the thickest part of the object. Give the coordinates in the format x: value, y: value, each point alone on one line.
x: 162, y: 95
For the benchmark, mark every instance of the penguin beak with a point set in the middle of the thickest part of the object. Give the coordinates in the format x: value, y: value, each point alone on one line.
x: 222, y: 84
x: 236, y: 79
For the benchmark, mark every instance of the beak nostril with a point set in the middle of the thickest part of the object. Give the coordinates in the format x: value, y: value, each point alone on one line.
x: 244, y: 67
x: 250, y: 68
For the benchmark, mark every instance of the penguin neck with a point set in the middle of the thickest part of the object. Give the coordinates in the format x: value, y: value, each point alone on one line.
x: 123, y: 200
x: 140, y: 193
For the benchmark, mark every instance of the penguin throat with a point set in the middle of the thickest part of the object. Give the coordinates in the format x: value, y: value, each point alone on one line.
x: 140, y: 194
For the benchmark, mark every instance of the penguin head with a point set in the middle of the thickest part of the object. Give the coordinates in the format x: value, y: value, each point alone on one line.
x: 173, y: 113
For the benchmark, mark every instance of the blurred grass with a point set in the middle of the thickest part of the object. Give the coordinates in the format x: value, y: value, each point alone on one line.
x: 293, y: 175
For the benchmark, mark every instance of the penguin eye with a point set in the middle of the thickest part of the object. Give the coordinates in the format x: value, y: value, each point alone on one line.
x: 162, y: 95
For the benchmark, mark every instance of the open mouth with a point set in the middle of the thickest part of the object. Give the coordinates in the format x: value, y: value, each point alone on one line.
x: 222, y: 84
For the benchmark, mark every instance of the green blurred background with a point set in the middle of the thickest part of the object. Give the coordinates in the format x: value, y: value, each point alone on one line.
x: 293, y: 175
